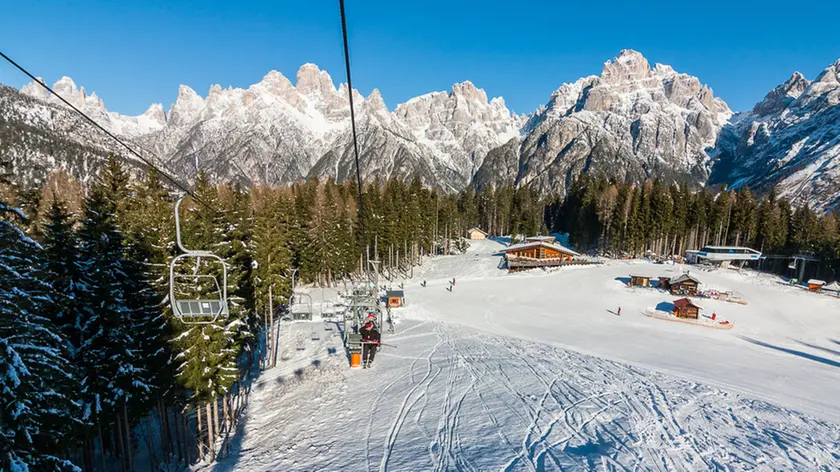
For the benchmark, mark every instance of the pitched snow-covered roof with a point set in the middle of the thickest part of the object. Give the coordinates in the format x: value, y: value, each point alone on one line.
x: 816, y: 282
x: 682, y: 302
x: 540, y: 238
x: 683, y: 278
x: 477, y: 229
x: 555, y: 246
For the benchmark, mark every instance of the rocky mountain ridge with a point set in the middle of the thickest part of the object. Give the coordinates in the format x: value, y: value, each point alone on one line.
x: 633, y: 121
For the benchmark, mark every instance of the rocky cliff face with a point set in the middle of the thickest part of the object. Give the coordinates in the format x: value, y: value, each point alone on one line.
x: 631, y: 122
x: 790, y: 140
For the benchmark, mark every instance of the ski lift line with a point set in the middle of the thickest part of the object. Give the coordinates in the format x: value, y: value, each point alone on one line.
x: 97, y: 125
x: 353, y: 127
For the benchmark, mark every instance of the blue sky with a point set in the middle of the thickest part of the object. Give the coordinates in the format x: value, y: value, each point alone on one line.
x: 133, y: 53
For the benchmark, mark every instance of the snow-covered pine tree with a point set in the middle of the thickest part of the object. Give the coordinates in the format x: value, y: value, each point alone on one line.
x: 38, y: 408
x: 109, y: 355
x: 142, y: 217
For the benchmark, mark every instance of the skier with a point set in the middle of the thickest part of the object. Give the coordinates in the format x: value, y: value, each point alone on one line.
x: 423, y: 284
x: 619, y: 311
x: 370, y: 339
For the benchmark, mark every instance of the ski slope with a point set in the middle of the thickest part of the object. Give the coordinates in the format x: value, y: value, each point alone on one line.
x: 532, y: 372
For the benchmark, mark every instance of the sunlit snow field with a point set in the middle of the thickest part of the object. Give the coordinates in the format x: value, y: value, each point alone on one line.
x: 534, y: 371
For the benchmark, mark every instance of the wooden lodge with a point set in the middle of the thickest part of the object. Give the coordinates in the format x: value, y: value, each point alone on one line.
x: 476, y: 234
x: 815, y: 285
x: 529, y: 255
x: 683, y: 284
x: 394, y: 298
x: 685, y: 308
x: 639, y: 281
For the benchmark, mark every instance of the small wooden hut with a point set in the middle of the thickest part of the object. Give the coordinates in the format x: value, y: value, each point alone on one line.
x: 815, y: 285
x: 395, y: 298
x: 639, y: 281
x: 685, y: 308
x: 476, y: 234
x: 684, y: 284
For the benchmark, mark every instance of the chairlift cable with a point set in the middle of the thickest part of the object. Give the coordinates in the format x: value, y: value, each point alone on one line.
x: 353, y: 128
x: 181, y: 186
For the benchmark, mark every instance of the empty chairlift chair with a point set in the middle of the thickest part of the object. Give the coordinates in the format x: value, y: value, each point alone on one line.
x: 196, y: 298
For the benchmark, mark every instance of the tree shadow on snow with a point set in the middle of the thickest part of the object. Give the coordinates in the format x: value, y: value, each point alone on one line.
x: 820, y: 348
x: 590, y: 449
x: 804, y: 355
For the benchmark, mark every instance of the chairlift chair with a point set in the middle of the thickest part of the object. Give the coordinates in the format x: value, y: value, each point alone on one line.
x: 209, y: 306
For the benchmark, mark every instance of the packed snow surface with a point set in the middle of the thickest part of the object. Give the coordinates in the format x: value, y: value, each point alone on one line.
x: 535, y: 371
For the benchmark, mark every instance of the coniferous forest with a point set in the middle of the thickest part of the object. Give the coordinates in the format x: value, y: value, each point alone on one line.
x: 94, y: 368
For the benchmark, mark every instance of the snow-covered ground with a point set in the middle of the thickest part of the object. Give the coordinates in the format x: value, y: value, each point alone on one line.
x: 534, y: 371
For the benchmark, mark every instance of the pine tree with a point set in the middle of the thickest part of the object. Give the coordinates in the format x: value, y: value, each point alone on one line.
x: 113, y: 370
x: 38, y: 410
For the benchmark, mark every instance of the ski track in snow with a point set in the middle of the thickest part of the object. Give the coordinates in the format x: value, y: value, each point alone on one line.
x: 455, y: 398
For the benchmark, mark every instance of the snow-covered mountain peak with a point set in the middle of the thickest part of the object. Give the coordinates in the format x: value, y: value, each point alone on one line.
x: 782, y: 96
x: 276, y: 83
x: 630, y: 65
x: 374, y: 101
x: 35, y: 89
x: 311, y: 79
x: 66, y: 88
x: 468, y: 90
x: 187, y: 107
x: 156, y: 113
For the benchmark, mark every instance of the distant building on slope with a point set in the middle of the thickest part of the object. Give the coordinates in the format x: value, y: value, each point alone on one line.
x: 639, y: 281
x: 685, y: 308
x: 476, y: 234
x: 395, y: 298
x: 535, y: 254
x: 723, y: 255
x: 683, y: 284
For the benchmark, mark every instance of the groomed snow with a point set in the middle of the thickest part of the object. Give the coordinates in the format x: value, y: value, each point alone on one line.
x: 534, y: 371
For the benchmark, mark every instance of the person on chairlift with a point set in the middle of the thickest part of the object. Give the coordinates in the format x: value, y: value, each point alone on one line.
x: 370, y: 340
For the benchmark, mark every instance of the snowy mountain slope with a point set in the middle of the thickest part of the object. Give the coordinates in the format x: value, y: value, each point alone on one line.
x: 501, y: 374
x: 37, y: 137
x: 632, y: 121
x: 275, y: 132
x: 131, y: 126
x: 790, y: 140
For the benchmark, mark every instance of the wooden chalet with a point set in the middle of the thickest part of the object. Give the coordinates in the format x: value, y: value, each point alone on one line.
x: 684, y: 284
x: 394, y: 298
x: 476, y: 234
x: 639, y: 281
x: 529, y: 255
x: 815, y: 285
x: 685, y: 308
